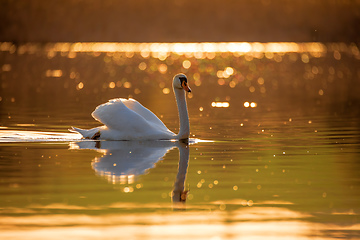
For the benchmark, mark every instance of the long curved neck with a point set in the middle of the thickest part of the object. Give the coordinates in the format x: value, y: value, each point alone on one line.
x: 184, y: 131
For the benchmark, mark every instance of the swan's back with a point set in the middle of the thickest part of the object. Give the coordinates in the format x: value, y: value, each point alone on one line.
x: 144, y: 112
x: 127, y: 115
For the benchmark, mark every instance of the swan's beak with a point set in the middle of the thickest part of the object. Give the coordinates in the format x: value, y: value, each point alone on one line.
x: 185, y: 86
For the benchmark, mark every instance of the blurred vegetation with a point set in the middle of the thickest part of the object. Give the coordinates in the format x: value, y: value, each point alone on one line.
x: 179, y: 21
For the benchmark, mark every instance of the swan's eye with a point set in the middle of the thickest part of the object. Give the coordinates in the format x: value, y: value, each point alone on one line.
x: 183, y: 79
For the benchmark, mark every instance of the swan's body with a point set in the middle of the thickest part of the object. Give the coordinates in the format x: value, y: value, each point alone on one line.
x: 127, y: 119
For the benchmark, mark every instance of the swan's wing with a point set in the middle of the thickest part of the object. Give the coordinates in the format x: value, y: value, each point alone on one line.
x: 116, y: 115
x: 144, y: 112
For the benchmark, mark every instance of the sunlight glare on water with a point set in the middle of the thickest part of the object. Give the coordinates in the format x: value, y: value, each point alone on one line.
x: 179, y: 48
x: 273, y: 154
x: 35, y: 136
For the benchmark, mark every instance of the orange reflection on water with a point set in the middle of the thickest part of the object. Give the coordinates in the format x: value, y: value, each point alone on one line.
x: 220, y: 104
x: 6, y: 68
x: 80, y: 86
x: 226, y: 73
x: 245, y: 223
x: 54, y: 73
x: 162, y: 49
x: 201, y: 50
x: 250, y: 104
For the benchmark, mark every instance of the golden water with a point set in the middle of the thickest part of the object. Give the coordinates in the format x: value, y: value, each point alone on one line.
x: 274, y: 152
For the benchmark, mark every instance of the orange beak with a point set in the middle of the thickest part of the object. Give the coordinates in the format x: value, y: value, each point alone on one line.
x: 185, y: 86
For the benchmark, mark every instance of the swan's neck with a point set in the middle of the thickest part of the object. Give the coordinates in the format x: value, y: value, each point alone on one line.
x: 184, y: 131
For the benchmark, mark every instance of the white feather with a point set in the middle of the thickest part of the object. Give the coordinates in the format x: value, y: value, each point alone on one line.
x: 127, y: 119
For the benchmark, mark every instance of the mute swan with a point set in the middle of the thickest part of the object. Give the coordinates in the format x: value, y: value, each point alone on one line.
x: 127, y: 119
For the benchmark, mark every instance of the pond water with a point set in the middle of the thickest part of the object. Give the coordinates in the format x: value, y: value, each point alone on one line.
x: 274, y: 150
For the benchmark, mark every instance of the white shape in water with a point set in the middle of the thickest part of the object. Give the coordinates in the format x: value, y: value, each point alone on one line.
x: 127, y: 119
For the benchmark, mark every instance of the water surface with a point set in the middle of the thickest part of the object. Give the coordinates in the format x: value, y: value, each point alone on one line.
x: 274, y: 152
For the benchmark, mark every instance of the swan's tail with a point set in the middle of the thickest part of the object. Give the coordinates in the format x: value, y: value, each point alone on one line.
x: 84, y: 132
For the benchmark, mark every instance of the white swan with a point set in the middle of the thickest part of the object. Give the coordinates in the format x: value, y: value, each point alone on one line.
x: 127, y: 119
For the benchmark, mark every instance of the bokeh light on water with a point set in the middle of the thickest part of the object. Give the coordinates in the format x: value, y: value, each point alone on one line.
x: 277, y: 149
x: 255, y: 70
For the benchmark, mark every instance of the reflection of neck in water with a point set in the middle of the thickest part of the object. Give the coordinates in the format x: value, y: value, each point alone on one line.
x: 179, y: 193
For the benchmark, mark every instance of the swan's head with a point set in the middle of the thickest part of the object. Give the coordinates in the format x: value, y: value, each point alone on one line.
x: 180, y: 82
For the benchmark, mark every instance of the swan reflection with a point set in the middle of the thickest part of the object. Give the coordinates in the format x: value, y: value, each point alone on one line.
x: 179, y: 193
x: 122, y: 161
